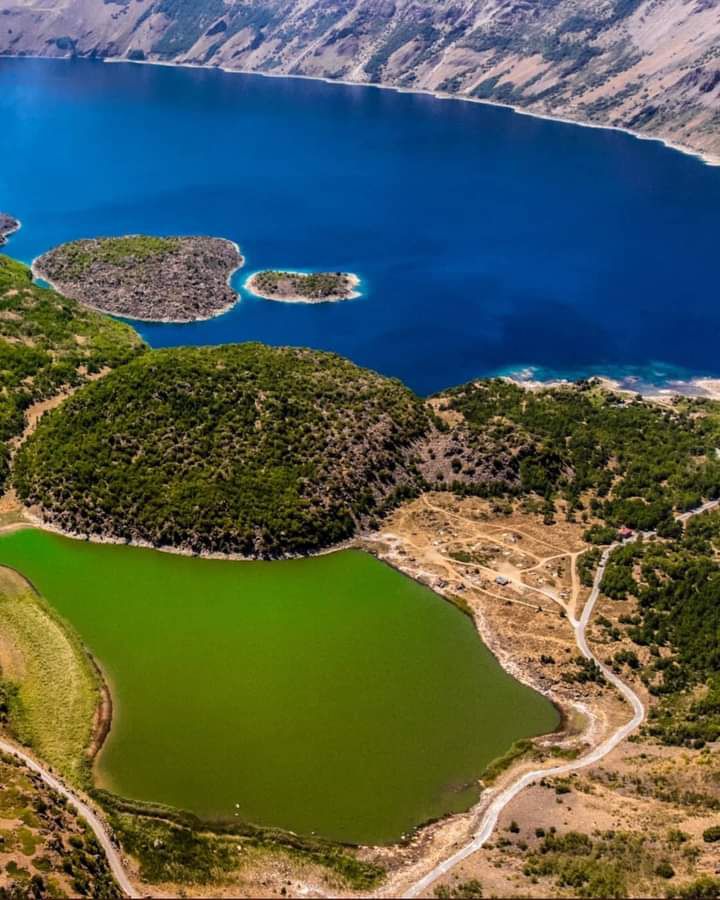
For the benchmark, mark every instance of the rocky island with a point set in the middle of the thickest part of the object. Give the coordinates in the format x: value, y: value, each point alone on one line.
x: 297, y: 287
x: 157, y: 279
x: 8, y: 226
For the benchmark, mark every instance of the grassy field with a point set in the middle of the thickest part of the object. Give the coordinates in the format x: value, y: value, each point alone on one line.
x: 49, y: 682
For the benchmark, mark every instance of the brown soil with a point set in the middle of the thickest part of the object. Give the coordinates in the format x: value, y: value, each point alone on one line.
x: 607, y: 797
x: 103, y: 712
x: 36, y: 831
x: 431, y: 539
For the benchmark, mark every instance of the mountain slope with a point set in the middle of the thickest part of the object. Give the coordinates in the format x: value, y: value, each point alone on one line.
x: 650, y: 65
x: 238, y: 449
x: 49, y: 345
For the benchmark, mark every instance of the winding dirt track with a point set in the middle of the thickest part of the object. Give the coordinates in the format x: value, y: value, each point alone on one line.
x: 99, y: 828
x: 492, y: 813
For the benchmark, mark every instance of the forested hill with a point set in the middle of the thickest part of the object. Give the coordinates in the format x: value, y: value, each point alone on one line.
x: 618, y: 458
x: 261, y: 451
x: 269, y: 452
x: 650, y: 65
x: 48, y: 345
x: 241, y: 449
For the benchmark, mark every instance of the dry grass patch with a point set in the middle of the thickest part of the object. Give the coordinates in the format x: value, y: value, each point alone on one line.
x: 53, y: 690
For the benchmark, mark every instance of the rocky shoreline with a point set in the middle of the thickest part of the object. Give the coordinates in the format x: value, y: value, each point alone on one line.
x: 300, y: 287
x: 8, y: 226
x: 172, y: 279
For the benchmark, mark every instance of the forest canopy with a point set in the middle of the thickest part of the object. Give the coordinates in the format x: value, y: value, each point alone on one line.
x: 637, y: 460
x: 241, y: 449
x: 48, y: 344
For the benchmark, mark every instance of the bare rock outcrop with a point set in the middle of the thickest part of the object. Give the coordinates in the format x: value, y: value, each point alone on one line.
x: 175, y: 279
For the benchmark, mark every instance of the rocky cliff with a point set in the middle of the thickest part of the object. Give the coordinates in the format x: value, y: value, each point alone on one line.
x: 649, y: 65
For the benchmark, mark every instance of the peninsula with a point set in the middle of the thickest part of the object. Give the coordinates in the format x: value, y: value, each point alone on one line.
x: 8, y: 226
x: 297, y: 287
x: 156, y: 279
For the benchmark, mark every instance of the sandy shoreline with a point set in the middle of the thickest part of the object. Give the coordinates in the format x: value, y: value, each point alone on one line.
x: 250, y: 287
x: 702, y: 387
x: 37, y: 274
x: 490, y: 639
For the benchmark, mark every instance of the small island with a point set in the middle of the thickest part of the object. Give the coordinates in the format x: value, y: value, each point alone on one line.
x: 298, y: 287
x: 8, y: 226
x: 154, y: 279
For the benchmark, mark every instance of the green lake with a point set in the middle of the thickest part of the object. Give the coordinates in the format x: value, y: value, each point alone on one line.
x: 330, y: 695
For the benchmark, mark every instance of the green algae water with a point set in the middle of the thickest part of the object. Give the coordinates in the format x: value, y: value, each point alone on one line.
x: 331, y: 695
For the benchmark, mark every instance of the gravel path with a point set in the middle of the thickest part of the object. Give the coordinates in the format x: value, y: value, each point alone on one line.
x: 98, y: 826
x: 490, y: 818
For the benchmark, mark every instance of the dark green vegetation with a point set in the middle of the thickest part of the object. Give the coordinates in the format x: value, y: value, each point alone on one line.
x: 177, y: 848
x: 587, y: 566
x: 295, y: 285
x: 640, y: 461
x: 624, y: 461
x: 585, y: 670
x: 677, y: 584
x: 329, y: 695
x: 466, y: 890
x: 604, y: 864
x: 45, y: 850
x: 704, y: 888
x: 240, y: 449
x: 264, y: 452
x: 48, y: 344
x: 78, y: 256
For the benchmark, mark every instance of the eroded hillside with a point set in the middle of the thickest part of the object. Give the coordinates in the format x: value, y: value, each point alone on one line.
x: 649, y: 65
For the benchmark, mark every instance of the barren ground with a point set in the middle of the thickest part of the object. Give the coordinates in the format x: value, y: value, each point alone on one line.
x: 459, y: 548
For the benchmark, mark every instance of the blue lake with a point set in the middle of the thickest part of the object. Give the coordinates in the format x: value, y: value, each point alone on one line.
x: 487, y: 241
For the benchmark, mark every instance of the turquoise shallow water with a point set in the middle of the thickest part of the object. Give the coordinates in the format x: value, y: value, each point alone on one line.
x: 486, y: 240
